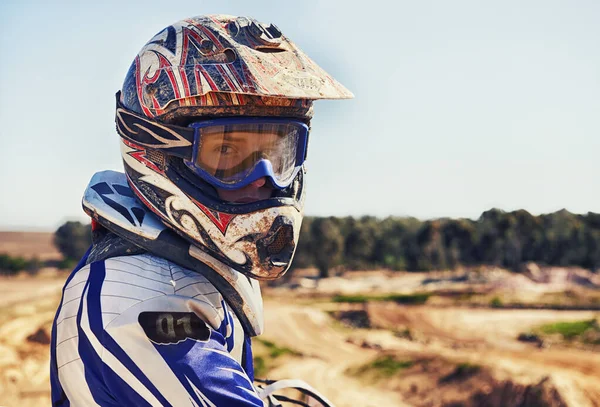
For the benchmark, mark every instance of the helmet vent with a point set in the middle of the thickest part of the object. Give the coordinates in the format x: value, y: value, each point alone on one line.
x: 282, y: 238
x: 206, y: 45
x: 249, y: 31
x: 269, y: 50
x: 230, y: 55
x: 157, y: 157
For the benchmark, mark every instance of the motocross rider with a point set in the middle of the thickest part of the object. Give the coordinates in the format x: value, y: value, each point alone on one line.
x: 214, y: 117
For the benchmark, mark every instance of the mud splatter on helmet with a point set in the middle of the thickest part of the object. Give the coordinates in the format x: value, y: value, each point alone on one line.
x: 204, y: 68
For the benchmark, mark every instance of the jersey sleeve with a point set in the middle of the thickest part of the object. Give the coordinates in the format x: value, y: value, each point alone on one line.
x: 167, y: 352
x: 141, y: 342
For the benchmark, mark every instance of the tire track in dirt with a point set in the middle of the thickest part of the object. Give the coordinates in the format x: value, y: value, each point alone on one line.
x: 488, y: 337
x: 24, y: 345
x: 22, y: 290
x: 327, y: 356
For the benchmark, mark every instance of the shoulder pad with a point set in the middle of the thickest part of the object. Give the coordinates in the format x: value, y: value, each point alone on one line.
x: 109, y: 200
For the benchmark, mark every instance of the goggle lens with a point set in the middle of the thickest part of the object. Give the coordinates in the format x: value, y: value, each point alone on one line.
x: 235, y: 154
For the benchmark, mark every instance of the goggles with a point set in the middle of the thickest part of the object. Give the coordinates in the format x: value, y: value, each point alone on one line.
x: 228, y: 153
x: 234, y: 152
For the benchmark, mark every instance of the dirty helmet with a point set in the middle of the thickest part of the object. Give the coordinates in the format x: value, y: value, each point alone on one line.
x: 216, y: 103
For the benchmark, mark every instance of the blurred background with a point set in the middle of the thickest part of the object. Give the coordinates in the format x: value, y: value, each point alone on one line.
x: 451, y: 248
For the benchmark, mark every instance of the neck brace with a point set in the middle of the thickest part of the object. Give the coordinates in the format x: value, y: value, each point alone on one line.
x: 109, y: 201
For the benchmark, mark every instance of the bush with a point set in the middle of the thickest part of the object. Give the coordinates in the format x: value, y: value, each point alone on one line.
x: 569, y: 330
x: 266, y: 355
x: 67, y: 264
x: 384, y: 366
x: 409, y: 299
x: 12, y: 265
x: 496, y: 302
x: 73, y: 239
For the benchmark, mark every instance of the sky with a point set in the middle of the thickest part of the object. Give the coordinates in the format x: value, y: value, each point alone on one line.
x: 459, y: 106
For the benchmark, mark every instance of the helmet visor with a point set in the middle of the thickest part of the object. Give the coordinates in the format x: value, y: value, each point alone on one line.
x: 231, y: 153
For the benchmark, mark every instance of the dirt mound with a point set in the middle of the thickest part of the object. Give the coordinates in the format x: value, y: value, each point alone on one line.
x: 40, y: 336
x: 528, y: 286
x: 354, y: 318
x: 510, y: 394
x: 560, y: 277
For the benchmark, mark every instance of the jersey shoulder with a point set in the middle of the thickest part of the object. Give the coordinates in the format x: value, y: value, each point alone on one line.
x: 130, y: 280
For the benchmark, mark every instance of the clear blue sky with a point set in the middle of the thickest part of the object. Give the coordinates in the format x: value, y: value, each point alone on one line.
x: 460, y: 105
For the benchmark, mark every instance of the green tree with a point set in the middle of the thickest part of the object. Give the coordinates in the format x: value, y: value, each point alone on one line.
x: 459, y: 237
x: 11, y: 265
x: 491, y: 227
x: 360, y: 243
x: 303, y: 257
x: 565, y: 239
x: 432, y: 251
x: 327, y: 244
x: 396, y: 246
x: 72, y: 239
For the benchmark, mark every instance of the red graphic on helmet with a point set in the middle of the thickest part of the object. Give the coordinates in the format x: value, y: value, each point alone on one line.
x: 140, y: 155
x: 146, y: 80
x: 220, y: 219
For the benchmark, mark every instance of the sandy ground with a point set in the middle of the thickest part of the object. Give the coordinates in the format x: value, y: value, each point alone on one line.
x: 20, y: 290
x: 328, y: 355
x: 27, y: 307
x: 447, y: 337
x: 441, y: 338
x: 488, y: 337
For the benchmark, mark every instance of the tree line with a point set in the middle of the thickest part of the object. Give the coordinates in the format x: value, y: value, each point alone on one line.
x: 499, y: 238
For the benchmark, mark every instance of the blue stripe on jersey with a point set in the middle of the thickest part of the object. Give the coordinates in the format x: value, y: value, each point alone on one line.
x: 212, y: 370
x: 59, y: 398
x: 123, y: 393
x: 247, y: 359
x: 227, y: 321
x: 92, y: 363
x: 96, y: 373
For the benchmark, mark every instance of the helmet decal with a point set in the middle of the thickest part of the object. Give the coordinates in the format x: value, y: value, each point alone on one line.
x: 139, y: 154
x: 187, y: 61
x: 185, y: 220
x: 155, y: 135
x: 220, y: 219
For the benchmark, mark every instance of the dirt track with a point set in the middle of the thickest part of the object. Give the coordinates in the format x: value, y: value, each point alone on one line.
x: 27, y: 307
x: 459, y: 335
x: 443, y: 337
x: 21, y: 290
x: 328, y: 354
x: 488, y: 337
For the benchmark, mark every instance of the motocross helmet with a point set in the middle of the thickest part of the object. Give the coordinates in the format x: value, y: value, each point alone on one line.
x: 196, y: 86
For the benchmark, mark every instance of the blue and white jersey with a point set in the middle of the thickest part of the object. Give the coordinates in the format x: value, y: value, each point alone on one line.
x: 140, y: 330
